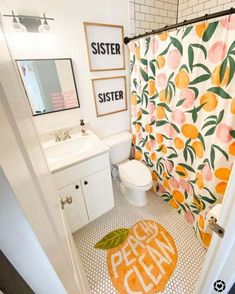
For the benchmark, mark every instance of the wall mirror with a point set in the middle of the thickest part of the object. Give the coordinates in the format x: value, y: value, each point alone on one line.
x: 49, y: 84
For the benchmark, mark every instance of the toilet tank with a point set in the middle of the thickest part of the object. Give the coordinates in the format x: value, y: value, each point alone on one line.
x: 120, y: 146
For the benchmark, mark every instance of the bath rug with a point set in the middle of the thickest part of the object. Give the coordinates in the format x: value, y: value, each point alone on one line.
x: 140, y: 259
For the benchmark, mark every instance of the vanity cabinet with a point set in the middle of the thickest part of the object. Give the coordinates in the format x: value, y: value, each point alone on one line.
x: 90, y: 186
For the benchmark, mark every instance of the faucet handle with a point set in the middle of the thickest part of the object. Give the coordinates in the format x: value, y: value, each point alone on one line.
x: 57, y: 136
x: 66, y: 134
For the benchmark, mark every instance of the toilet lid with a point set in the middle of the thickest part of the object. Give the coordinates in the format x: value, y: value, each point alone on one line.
x: 135, y: 173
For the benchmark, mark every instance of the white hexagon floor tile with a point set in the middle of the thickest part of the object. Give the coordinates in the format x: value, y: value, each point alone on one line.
x: 191, y: 252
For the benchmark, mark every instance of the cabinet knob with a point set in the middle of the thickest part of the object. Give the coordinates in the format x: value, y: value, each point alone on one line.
x: 76, y: 186
x: 85, y: 182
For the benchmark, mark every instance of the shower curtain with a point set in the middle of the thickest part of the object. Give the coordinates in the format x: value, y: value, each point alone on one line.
x: 183, y: 114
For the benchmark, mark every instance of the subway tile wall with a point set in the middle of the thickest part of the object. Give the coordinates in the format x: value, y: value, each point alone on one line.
x: 194, y: 8
x: 146, y: 15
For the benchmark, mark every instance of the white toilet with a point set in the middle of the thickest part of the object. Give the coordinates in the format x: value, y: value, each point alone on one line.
x: 134, y: 175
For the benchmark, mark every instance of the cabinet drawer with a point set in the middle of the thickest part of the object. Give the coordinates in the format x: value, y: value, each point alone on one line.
x: 80, y: 170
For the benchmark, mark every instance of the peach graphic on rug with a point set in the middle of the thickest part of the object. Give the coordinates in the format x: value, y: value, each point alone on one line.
x: 140, y: 259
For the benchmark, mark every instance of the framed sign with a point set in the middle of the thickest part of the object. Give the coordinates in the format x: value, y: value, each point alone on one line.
x: 109, y: 95
x: 105, y: 46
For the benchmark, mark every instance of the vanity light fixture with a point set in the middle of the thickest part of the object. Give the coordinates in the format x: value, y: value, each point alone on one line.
x: 29, y: 23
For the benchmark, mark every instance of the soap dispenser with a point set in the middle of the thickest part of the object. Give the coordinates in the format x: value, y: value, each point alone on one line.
x: 83, y: 127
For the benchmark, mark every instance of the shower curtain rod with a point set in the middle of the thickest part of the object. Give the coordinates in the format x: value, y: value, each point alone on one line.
x: 181, y: 24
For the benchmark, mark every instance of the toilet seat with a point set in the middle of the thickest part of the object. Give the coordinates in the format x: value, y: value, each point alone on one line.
x: 135, y: 175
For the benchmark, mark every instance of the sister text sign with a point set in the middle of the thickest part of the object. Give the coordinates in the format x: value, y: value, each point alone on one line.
x: 105, y: 46
x: 109, y: 95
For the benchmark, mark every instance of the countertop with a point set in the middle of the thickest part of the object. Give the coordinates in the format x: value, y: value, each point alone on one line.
x: 57, y: 164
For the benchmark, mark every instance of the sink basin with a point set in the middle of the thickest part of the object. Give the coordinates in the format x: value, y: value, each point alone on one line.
x: 68, y: 148
x: 66, y: 153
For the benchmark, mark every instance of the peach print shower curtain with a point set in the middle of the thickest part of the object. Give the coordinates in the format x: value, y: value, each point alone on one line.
x: 183, y: 114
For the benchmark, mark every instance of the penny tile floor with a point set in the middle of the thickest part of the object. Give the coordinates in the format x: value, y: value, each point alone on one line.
x: 190, y: 251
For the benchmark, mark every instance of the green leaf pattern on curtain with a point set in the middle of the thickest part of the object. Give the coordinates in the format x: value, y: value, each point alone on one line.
x: 183, y: 115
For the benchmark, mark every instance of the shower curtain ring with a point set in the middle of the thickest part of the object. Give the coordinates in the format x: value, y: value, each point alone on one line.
x: 231, y: 11
x: 184, y: 25
x: 205, y: 19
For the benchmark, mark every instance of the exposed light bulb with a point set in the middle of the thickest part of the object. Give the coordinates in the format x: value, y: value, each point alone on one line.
x: 19, y: 27
x: 16, y: 25
x: 44, y: 28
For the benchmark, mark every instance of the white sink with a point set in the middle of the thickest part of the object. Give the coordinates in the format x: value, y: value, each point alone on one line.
x: 79, y: 148
x: 68, y: 148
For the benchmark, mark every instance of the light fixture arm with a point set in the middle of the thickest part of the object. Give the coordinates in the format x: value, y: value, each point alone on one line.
x: 13, y: 15
x: 45, y: 20
x: 30, y: 23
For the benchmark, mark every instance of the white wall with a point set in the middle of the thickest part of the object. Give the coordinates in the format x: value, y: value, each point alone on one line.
x: 20, y: 246
x: 194, y: 8
x: 67, y: 39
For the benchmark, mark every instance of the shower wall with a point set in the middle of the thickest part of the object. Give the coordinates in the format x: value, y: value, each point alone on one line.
x: 147, y: 15
x: 194, y: 8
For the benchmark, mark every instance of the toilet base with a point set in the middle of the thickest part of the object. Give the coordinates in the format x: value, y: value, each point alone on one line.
x: 138, y: 198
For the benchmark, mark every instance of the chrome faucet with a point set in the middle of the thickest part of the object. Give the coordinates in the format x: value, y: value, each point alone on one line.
x: 62, y: 135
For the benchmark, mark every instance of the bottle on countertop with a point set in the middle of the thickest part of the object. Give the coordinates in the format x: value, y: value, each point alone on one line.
x: 83, y: 127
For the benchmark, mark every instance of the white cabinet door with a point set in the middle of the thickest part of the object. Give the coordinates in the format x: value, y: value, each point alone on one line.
x: 98, y: 193
x: 76, y: 212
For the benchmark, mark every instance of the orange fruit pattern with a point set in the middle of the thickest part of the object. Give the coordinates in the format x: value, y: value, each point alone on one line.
x: 209, y: 101
x: 160, y: 112
x: 200, y: 29
x: 198, y: 148
x: 215, y: 76
x: 189, y: 131
x: 133, y: 99
x: 182, y: 79
x: 232, y: 107
x: 179, y: 144
x: 160, y: 61
x: 183, y: 116
x: 152, y: 87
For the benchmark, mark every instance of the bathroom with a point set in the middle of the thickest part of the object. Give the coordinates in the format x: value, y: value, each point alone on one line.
x: 78, y: 198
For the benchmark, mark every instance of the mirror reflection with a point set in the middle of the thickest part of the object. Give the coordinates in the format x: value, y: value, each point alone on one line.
x: 49, y: 84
